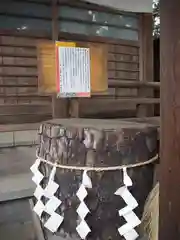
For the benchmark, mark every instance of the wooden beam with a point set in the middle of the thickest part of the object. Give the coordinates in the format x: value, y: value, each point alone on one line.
x: 59, y: 106
x: 25, y: 108
x: 106, y: 105
x: 98, y: 39
x: 146, y: 63
x: 170, y: 121
x: 21, y: 113
x: 19, y: 127
x: 124, y: 100
x: 133, y: 84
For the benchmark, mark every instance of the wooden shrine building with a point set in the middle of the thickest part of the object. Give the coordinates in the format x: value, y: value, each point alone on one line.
x: 126, y: 35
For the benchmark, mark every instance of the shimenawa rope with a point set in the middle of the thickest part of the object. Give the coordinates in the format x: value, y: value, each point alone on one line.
x: 99, y: 169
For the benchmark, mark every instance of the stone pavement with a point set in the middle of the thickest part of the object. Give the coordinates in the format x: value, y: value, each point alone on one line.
x: 16, y: 186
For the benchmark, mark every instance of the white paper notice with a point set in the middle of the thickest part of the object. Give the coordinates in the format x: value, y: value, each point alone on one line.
x: 74, y: 72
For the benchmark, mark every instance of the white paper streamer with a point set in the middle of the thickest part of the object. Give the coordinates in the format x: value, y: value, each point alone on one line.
x: 83, y: 228
x: 55, y: 220
x: 127, y: 230
x: 37, y: 175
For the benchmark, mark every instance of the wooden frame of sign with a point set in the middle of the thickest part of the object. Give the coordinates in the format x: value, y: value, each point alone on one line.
x: 47, y: 68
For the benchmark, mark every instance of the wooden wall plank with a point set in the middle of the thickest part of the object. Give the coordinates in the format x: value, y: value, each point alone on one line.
x: 18, y: 61
x: 25, y: 118
x: 123, y: 49
x: 13, y: 80
x: 112, y: 107
x: 123, y: 58
x: 18, y: 65
x: 18, y: 41
x: 17, y: 51
x: 18, y: 79
x: 18, y: 109
x: 18, y: 71
x: 123, y: 75
x: 123, y: 66
x: 101, y: 108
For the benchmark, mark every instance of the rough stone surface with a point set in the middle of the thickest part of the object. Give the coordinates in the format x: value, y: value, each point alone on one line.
x: 16, y: 221
x: 16, y: 184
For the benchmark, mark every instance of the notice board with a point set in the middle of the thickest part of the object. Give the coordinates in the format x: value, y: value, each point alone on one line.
x: 72, y: 70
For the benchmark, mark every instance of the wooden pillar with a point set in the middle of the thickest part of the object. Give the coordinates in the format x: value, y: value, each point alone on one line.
x: 170, y: 121
x: 59, y: 106
x: 146, y: 63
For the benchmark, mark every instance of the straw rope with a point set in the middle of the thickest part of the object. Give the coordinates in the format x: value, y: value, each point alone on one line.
x: 99, y: 169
